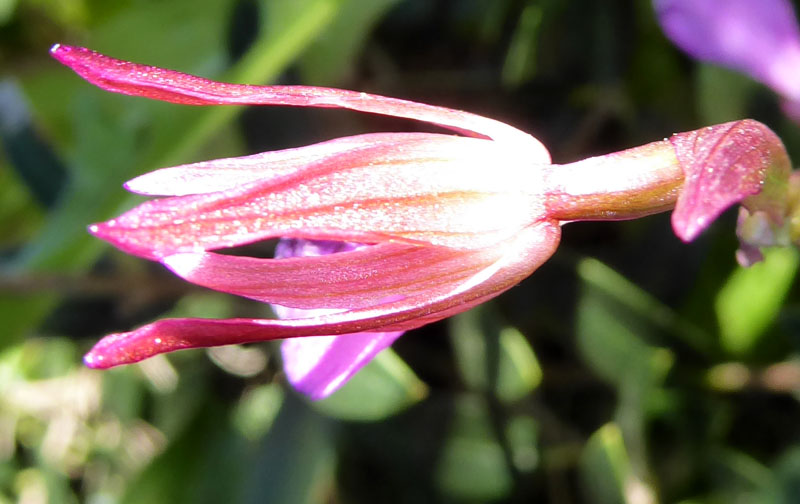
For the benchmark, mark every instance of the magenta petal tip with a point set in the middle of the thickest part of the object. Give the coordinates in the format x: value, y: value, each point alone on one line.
x: 689, y: 227
x: 99, y: 230
x: 114, y: 234
x: 101, y: 356
x: 94, y: 360
x: 60, y: 51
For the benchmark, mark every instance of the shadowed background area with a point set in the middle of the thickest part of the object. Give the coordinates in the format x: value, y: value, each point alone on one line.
x: 630, y: 368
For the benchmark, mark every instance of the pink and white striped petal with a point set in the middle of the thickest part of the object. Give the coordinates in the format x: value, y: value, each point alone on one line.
x: 223, y: 174
x: 521, y: 256
x: 427, y: 189
x: 368, y: 276
x: 168, y: 85
x: 318, y: 365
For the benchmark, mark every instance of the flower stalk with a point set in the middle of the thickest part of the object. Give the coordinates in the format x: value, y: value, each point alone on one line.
x: 624, y: 185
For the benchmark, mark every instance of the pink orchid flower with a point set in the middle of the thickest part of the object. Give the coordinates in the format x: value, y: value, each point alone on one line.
x: 438, y: 222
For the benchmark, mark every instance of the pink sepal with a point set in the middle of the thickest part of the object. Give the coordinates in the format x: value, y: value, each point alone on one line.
x: 417, y: 188
x: 368, y: 276
x: 520, y: 258
x: 726, y: 164
x: 223, y: 174
x: 168, y: 85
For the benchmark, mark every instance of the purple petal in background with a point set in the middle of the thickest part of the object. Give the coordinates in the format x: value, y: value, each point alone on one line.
x: 758, y: 37
x: 291, y: 247
x: 318, y: 365
x: 792, y: 109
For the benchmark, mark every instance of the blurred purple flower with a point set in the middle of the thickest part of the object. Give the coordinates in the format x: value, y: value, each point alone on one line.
x: 758, y: 37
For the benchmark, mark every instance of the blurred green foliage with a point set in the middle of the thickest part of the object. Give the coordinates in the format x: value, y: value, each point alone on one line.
x: 631, y: 368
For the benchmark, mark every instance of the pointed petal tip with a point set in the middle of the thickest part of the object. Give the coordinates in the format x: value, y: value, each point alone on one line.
x: 101, y: 230
x: 109, y: 352
x: 94, y: 229
x: 103, y: 354
x: 150, y: 185
x: 118, y: 349
x: 687, y: 228
x: 133, y: 185
x: 62, y: 52
x: 95, y: 360
x: 106, y: 231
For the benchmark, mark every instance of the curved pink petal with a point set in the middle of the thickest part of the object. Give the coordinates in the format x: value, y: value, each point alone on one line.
x: 223, y: 174
x: 520, y: 257
x: 723, y: 165
x: 368, y: 276
x: 176, y: 87
x: 426, y: 188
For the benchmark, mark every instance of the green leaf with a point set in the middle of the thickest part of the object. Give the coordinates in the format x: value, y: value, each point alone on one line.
x: 329, y: 59
x: 19, y: 212
x: 606, y: 473
x: 473, y: 465
x: 207, y: 463
x: 124, y: 393
x: 295, y: 462
x: 287, y: 30
x: 520, y: 63
x: 491, y: 356
x: 787, y: 472
x: 611, y: 332
x: 751, y: 299
x: 519, y: 372
x: 722, y: 94
x: 522, y: 433
x: 257, y: 410
x: 640, y: 304
x: 6, y: 10
x: 742, y: 477
x: 382, y: 388
x: 203, y: 305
